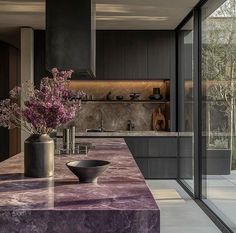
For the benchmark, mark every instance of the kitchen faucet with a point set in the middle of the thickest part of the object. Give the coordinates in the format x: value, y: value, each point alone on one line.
x: 101, y: 121
x: 130, y: 125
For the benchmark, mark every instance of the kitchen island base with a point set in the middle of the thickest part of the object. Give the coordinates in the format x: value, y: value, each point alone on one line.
x: 119, y: 202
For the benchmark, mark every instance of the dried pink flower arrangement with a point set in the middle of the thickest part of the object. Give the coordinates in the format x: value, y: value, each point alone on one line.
x: 44, y: 109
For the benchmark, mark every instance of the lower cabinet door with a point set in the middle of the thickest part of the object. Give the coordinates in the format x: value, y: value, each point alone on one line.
x: 143, y: 166
x: 162, y: 147
x: 137, y: 146
x: 162, y: 168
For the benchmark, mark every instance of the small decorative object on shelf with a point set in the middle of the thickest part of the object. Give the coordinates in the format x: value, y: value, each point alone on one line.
x: 156, y: 94
x: 159, y: 122
x: 119, y: 97
x: 42, y: 111
x: 109, y: 96
x: 134, y: 96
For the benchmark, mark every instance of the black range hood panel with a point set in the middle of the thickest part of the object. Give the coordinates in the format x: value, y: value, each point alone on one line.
x: 70, y: 36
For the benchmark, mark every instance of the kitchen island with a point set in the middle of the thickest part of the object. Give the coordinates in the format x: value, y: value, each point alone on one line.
x: 119, y: 202
x: 151, y: 149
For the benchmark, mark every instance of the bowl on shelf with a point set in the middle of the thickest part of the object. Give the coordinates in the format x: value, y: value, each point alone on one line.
x: 155, y: 97
x: 88, y: 170
x: 134, y: 96
x: 119, y: 97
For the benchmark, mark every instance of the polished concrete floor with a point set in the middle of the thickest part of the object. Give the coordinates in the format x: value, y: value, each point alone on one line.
x: 179, y: 213
x: 221, y: 193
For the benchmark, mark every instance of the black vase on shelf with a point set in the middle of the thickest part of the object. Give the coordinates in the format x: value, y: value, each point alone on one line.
x: 156, y: 94
x: 39, y: 156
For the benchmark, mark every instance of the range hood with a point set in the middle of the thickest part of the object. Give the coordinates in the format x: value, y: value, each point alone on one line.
x: 71, y: 36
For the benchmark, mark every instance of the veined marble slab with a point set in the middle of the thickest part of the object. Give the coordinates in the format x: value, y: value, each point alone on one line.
x: 119, y: 202
x: 126, y: 134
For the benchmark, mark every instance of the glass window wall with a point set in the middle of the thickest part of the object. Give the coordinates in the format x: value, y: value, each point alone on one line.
x: 218, y: 77
x: 185, y: 104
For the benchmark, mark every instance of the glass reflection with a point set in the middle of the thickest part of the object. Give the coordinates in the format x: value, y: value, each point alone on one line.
x: 185, y: 104
x: 218, y: 107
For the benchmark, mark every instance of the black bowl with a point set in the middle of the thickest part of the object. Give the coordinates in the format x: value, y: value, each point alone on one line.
x: 88, y: 170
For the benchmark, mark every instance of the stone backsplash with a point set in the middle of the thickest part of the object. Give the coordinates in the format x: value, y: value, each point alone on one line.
x: 116, y: 115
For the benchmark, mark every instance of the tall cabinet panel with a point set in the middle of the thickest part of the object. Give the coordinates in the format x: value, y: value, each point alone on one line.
x: 114, y: 54
x: 99, y: 55
x: 160, y: 45
x: 135, y: 55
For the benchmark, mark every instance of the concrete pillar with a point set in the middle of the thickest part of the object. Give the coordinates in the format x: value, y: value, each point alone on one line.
x: 27, y: 63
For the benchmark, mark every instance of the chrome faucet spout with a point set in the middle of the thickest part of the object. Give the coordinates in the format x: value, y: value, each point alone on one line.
x: 101, y: 121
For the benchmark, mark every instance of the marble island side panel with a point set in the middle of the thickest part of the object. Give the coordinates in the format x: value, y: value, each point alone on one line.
x: 119, y: 202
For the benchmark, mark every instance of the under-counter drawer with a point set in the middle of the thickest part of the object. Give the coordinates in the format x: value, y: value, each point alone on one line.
x: 185, y: 167
x: 138, y: 146
x: 163, y: 147
x: 143, y: 166
x: 186, y: 146
x: 162, y: 168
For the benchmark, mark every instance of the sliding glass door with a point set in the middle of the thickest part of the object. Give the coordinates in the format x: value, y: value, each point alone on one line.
x: 218, y: 77
x: 185, y: 104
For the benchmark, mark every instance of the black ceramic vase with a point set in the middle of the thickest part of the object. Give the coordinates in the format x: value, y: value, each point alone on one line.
x: 39, y: 156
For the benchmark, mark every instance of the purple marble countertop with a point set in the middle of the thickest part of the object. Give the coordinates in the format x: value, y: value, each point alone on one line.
x: 121, y: 188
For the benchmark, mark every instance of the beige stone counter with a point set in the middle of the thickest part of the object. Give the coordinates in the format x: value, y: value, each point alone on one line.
x: 127, y: 134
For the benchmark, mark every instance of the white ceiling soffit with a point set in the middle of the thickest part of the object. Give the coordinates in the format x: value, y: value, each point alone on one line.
x: 111, y: 14
x: 141, y: 14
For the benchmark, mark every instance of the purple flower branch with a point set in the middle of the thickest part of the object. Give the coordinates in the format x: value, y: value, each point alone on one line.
x: 44, y: 109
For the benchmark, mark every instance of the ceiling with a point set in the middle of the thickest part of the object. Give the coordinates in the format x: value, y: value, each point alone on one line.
x: 141, y: 14
x: 110, y: 14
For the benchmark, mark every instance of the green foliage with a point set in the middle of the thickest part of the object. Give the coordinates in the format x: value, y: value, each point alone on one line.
x: 219, y: 143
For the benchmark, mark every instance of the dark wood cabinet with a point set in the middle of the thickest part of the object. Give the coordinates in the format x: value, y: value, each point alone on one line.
x: 160, y: 52
x: 135, y: 55
x: 162, y: 147
x: 155, y: 156
x: 114, y: 54
x: 143, y: 166
x: 123, y: 55
x: 162, y: 168
x: 99, y: 55
x: 138, y: 146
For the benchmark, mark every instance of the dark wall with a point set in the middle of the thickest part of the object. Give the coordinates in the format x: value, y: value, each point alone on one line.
x: 9, y: 77
x: 39, y: 56
x: 4, y: 88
